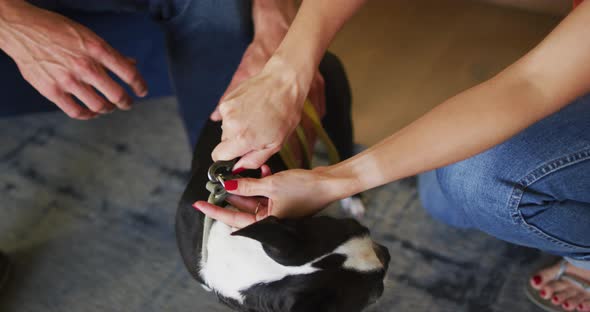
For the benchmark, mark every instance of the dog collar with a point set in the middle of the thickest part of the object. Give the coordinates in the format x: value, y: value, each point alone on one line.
x: 218, y: 173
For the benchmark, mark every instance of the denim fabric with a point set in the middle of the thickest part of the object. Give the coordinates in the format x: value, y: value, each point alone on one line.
x: 205, y: 40
x: 532, y: 190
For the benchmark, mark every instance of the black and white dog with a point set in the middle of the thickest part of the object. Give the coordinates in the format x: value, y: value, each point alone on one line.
x: 309, y: 264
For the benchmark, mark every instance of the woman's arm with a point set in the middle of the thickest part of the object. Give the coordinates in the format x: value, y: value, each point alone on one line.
x: 539, y: 84
x: 542, y: 82
x: 260, y: 113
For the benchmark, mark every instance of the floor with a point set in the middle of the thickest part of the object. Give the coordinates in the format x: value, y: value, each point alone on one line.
x: 87, y: 208
x: 404, y: 57
x: 88, y: 213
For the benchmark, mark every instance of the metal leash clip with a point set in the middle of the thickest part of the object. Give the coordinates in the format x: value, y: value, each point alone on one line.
x: 218, y: 173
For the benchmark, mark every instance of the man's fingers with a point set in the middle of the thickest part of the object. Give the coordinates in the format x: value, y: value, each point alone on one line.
x: 232, y: 218
x: 99, y: 79
x: 91, y: 99
x: 230, y: 149
x: 120, y: 66
x: 254, y: 159
x: 71, y: 108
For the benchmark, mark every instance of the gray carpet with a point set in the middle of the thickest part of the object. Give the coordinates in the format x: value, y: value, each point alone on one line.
x: 87, y: 215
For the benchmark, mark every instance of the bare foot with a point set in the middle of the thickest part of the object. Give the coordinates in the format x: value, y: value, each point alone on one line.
x: 562, y: 292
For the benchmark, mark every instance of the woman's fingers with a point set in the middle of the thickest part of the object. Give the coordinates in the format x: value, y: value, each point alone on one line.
x: 248, y: 187
x: 230, y: 149
x: 232, y: 218
x: 245, y: 204
x: 265, y: 171
x: 255, y: 159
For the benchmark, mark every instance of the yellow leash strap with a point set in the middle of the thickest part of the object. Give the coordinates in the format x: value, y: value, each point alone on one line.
x: 286, y: 152
x: 304, y: 145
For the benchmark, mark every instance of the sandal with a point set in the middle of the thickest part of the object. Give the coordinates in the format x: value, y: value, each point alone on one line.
x: 546, y: 304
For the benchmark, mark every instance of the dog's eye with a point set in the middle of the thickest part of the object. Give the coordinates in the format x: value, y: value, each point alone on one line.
x: 330, y: 262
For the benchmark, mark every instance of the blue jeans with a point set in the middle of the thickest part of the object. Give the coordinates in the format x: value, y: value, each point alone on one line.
x: 532, y: 190
x: 205, y: 40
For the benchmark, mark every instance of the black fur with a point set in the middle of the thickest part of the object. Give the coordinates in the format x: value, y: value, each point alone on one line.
x: 291, y: 242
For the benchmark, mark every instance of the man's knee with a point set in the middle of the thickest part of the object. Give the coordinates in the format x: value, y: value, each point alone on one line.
x: 213, y: 22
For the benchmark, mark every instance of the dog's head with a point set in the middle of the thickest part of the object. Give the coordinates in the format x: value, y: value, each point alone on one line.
x: 310, y: 264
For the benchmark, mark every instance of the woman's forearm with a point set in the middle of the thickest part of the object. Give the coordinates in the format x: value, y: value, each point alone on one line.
x: 539, y: 84
x: 461, y: 127
x: 272, y: 19
x: 310, y: 34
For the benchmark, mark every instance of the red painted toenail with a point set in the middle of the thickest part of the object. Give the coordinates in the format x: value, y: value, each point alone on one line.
x: 566, y: 304
x: 543, y: 293
x: 537, y: 279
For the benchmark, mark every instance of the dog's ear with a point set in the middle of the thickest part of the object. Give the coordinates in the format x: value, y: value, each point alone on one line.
x: 280, y: 240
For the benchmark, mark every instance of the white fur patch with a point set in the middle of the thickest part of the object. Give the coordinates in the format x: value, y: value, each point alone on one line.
x: 236, y: 263
x: 360, y: 255
x: 353, y: 206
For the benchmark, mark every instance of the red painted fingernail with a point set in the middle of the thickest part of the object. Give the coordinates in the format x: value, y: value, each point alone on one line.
x: 555, y: 298
x: 238, y: 170
x: 537, y: 279
x: 543, y: 293
x: 196, y: 207
x: 231, y: 185
x: 566, y: 304
x: 580, y: 306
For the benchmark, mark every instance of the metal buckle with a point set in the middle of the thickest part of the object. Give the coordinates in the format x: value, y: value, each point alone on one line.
x: 218, y: 173
x: 221, y: 169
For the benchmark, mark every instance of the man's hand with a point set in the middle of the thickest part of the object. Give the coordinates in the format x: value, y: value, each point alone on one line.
x: 260, y: 108
x: 61, y: 58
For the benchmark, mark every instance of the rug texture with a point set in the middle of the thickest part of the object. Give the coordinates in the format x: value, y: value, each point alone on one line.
x: 87, y: 212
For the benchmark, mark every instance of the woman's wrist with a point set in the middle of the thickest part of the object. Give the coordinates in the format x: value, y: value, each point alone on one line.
x: 290, y: 75
x: 271, y: 19
x: 337, y: 183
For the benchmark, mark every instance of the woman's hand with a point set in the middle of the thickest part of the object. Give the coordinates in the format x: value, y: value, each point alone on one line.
x: 61, y: 58
x: 259, y: 114
x: 263, y: 102
x: 287, y: 194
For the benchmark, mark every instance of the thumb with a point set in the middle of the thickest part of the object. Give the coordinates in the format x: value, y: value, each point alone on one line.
x: 248, y: 187
x: 216, y: 115
x: 254, y: 159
